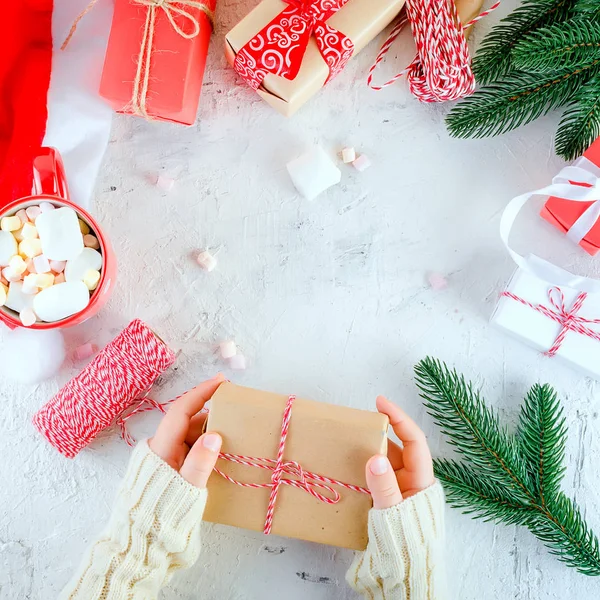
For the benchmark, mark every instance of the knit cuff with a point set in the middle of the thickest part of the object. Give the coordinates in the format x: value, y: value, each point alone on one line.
x: 155, y: 492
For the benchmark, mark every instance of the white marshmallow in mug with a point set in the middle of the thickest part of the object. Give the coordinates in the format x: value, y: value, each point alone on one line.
x: 60, y: 234
x: 88, y: 259
x: 61, y: 301
x: 8, y: 247
x: 16, y: 299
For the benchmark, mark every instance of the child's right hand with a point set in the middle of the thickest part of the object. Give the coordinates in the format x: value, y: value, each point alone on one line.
x: 405, y: 471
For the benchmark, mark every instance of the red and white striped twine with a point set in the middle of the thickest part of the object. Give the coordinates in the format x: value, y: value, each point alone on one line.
x: 309, y: 482
x: 567, y: 319
x: 119, y: 376
x: 441, y: 70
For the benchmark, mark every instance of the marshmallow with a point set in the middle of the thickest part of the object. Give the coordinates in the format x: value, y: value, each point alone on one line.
x: 28, y: 317
x: 29, y: 231
x: 91, y: 279
x: 437, y: 282
x: 10, y: 223
x: 60, y: 278
x: 83, y: 227
x: 10, y: 275
x: 30, y: 248
x: 18, y: 235
x: 8, y: 247
x: 58, y: 266
x: 76, y: 268
x: 16, y: 300
x: 17, y: 265
x: 227, y: 349
x: 30, y: 284
x: 85, y: 351
x: 41, y: 264
x: 33, y: 212
x: 313, y: 172
x: 47, y: 207
x: 165, y: 183
x: 3, y: 292
x: 22, y: 214
x: 44, y: 280
x: 238, y: 362
x: 91, y: 241
x: 60, y: 234
x: 362, y: 163
x: 61, y: 301
x: 348, y: 155
x: 206, y: 260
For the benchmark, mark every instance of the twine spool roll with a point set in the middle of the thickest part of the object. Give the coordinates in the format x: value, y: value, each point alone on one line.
x: 118, y: 377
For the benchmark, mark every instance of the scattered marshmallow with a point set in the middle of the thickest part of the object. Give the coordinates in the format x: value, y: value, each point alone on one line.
x: 348, y: 155
x: 28, y: 317
x: 437, y: 281
x: 238, y: 362
x: 59, y: 233
x: 91, y: 279
x: 16, y: 300
x: 17, y: 265
x: 84, y: 227
x: 85, y: 351
x: 8, y: 247
x: 228, y: 349
x: 47, y: 207
x: 41, y: 264
x: 10, y: 223
x: 22, y: 214
x: 362, y: 163
x: 91, y: 241
x: 58, y: 266
x: 29, y: 231
x: 30, y: 248
x: 33, y: 212
x: 313, y: 173
x: 61, y: 301
x: 206, y: 260
x: 87, y: 259
x: 164, y: 183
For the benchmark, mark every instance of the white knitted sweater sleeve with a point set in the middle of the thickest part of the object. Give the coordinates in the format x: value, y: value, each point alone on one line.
x: 153, y: 532
x: 404, y: 559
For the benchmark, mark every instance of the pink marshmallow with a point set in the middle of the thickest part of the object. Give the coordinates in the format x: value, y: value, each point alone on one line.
x: 91, y: 241
x: 437, y: 282
x: 165, y: 183
x: 58, y: 266
x: 9, y: 275
x: 41, y: 264
x: 238, y: 362
x: 30, y: 265
x: 22, y: 214
x: 362, y: 163
x: 85, y: 351
x: 33, y: 212
x: 60, y: 278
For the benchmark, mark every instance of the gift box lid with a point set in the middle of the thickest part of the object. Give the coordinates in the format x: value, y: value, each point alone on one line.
x: 333, y: 441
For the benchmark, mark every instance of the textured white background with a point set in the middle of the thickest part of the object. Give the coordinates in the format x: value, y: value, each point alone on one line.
x: 327, y: 300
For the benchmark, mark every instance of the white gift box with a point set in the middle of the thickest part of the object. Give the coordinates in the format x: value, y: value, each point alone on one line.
x: 527, y: 316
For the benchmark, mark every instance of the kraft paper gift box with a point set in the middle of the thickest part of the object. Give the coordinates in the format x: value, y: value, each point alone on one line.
x: 174, y: 64
x: 358, y: 21
x: 533, y: 327
x: 332, y: 441
x: 564, y: 213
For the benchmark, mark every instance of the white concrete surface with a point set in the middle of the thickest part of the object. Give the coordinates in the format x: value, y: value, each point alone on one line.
x: 328, y: 299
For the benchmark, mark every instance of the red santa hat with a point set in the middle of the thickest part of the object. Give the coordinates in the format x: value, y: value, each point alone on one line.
x: 49, y: 96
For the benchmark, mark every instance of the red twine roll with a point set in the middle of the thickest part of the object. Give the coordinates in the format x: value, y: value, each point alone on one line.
x: 121, y: 374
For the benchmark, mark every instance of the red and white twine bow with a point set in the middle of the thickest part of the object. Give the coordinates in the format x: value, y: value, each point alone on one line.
x: 569, y: 320
x: 280, y: 46
x: 312, y: 483
x: 441, y: 70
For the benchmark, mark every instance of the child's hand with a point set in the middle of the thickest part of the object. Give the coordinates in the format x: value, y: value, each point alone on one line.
x: 178, y: 440
x: 405, y: 471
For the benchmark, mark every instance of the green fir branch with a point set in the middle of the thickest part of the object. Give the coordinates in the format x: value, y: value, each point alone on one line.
x: 493, y: 59
x: 543, y: 435
x: 515, y: 101
x: 587, y: 8
x: 580, y: 124
x: 571, y: 45
x: 507, y: 478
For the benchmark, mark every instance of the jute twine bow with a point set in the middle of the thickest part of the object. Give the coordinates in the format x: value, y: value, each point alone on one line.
x: 172, y: 9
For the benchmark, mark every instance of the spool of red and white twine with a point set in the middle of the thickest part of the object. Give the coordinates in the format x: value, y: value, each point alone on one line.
x: 112, y: 383
x: 441, y: 70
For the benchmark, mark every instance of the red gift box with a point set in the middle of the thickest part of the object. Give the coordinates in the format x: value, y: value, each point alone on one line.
x: 155, y: 58
x: 564, y: 213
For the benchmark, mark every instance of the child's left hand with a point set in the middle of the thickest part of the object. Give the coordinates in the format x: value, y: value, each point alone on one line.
x: 179, y: 440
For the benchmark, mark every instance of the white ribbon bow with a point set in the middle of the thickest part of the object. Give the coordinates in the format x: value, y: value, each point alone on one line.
x: 582, y: 171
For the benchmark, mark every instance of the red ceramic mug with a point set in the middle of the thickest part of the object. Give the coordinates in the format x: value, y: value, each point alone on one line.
x: 50, y: 185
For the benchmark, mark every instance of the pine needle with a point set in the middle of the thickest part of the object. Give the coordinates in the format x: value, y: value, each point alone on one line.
x: 506, y: 478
